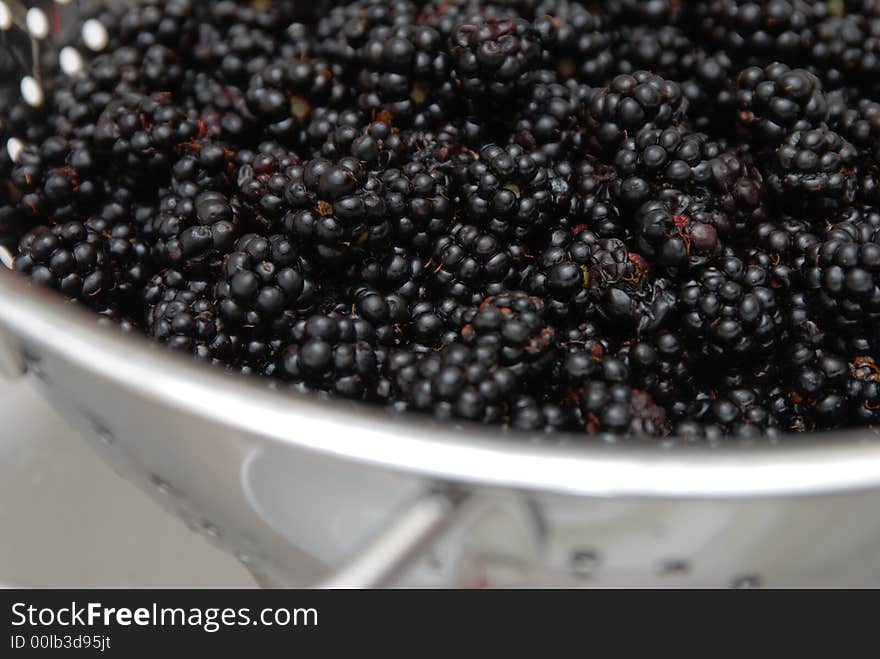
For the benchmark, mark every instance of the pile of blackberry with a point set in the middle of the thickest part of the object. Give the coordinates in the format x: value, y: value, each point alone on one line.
x: 616, y: 219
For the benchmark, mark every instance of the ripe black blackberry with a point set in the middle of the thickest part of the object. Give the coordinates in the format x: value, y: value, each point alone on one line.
x: 96, y: 262
x: 592, y: 203
x: 661, y: 365
x: 53, y: 182
x: 550, y: 116
x: 337, y: 208
x: 814, y: 171
x: 762, y: 31
x: 283, y: 94
x: 457, y: 381
x: 404, y: 72
x: 677, y: 158
x: 845, y: 53
x: 489, y: 57
x: 419, y: 198
x: 615, y: 411
x: 68, y: 258
x: 631, y: 102
x: 575, y: 42
x: 776, y: 100
x: 470, y: 265
x: 331, y: 352
x: 378, y: 145
x: 710, y: 91
x: 514, y: 328
x: 182, y: 313
x: 739, y: 414
x: 529, y: 413
x: 731, y: 310
x: 834, y: 391
x: 665, y: 50
x: 141, y: 135
x: 787, y: 241
x: 678, y: 231
x: 192, y: 233
x: 841, y: 275
x: 263, y: 286
x: 261, y: 180
x: 507, y: 191
x: 151, y: 22
x: 347, y: 27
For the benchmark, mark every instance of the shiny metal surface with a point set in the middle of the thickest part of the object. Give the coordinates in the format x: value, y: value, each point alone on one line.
x: 298, y: 486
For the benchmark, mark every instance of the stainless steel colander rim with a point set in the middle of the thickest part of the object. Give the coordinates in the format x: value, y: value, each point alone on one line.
x: 39, y: 323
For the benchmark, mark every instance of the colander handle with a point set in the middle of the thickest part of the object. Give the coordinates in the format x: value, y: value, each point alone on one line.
x: 403, y: 543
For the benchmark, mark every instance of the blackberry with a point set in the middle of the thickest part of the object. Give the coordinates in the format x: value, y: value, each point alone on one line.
x: 592, y: 203
x: 842, y: 283
x: 513, y: 327
x: 575, y: 41
x: 755, y: 31
x: 678, y: 231
x: 192, y: 232
x: 550, y: 117
x: 665, y: 50
x: 660, y: 365
x: 731, y: 310
x: 262, y: 179
x: 814, y: 171
x: 776, y: 100
x: 68, y: 258
x: 710, y: 91
x: 142, y: 134
x: 337, y: 208
x: 528, y: 413
x: 331, y: 352
x: 631, y: 102
x: 507, y: 191
x: 489, y: 57
x: 845, y: 52
x: 470, y: 265
x: 612, y: 411
x: 182, y: 314
x: 151, y: 22
x: 283, y: 95
x: 744, y: 414
x: 420, y: 201
x: 406, y: 74
x: 263, y: 285
x: 457, y: 381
